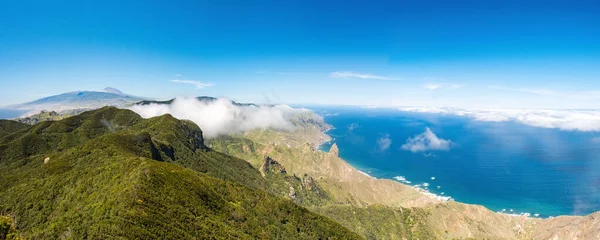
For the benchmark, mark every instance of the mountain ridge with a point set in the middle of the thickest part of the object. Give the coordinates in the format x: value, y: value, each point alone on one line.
x: 345, y: 184
x: 204, y: 99
x: 108, y: 173
x: 80, y: 100
x: 287, y: 164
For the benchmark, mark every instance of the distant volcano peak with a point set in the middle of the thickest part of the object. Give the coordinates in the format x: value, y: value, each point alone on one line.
x: 112, y: 90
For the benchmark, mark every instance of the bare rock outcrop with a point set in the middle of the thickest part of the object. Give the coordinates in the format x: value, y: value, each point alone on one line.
x: 334, y: 150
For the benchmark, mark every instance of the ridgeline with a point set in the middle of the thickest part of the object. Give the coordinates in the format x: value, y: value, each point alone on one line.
x: 108, y: 173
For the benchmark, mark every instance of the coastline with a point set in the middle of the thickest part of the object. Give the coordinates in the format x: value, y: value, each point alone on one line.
x: 421, y: 190
x: 329, y: 140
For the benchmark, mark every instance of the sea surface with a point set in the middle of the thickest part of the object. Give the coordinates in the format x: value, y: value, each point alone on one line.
x: 10, y: 113
x: 505, y: 166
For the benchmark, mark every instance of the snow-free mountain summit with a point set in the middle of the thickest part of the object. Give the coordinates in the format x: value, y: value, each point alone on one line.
x: 80, y: 99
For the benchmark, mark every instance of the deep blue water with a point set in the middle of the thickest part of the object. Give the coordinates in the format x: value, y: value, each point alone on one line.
x: 10, y: 114
x: 503, y: 165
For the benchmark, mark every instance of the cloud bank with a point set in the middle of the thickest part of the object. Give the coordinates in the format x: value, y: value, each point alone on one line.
x: 222, y: 116
x: 358, y: 76
x: 571, y: 120
x: 426, y: 141
x: 198, y: 84
x: 384, y: 143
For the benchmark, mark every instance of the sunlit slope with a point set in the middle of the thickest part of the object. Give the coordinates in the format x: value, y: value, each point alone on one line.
x: 386, y: 209
x: 108, y: 173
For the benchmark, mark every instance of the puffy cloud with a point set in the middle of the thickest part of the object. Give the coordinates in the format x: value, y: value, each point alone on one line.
x: 426, y: 141
x: 222, y: 116
x: 358, y: 75
x: 384, y: 143
x: 573, y: 120
x: 352, y: 126
x: 198, y: 84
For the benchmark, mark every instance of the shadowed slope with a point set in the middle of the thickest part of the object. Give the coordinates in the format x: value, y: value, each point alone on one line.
x: 108, y: 173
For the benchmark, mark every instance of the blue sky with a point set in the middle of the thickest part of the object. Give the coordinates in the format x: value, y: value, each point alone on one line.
x: 514, y: 54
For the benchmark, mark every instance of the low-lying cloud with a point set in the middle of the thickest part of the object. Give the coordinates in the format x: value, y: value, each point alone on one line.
x: 352, y: 126
x: 573, y: 120
x: 222, y: 116
x: 384, y: 143
x: 426, y: 141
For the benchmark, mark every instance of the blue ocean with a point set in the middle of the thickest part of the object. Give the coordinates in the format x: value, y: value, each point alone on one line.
x: 506, y: 166
x: 10, y: 113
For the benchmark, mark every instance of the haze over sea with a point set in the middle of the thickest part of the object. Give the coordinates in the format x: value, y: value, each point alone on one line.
x: 502, y: 165
x: 10, y: 113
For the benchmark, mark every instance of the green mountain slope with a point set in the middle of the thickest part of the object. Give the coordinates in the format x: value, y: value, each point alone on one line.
x: 111, y: 174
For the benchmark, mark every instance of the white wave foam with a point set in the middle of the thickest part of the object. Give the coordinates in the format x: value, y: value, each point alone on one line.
x: 422, y: 188
x: 400, y: 178
x: 513, y: 213
x: 365, y: 174
x: 431, y: 195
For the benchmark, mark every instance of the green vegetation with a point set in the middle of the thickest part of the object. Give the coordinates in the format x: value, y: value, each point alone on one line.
x: 7, y: 229
x: 381, y: 222
x: 372, y: 222
x: 110, y: 174
x: 201, y: 99
x: 373, y: 208
x: 49, y: 116
x: 7, y: 127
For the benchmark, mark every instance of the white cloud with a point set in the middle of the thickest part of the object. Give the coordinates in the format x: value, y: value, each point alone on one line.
x: 432, y: 86
x: 222, y: 116
x: 198, y: 84
x: 426, y: 141
x: 527, y: 90
x: 573, y: 120
x: 580, y: 94
x: 358, y: 75
x: 352, y: 126
x: 439, y: 86
x: 178, y: 75
x: 384, y: 143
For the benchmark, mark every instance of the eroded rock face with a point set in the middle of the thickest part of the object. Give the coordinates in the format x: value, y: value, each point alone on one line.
x: 271, y: 166
x: 334, y: 150
x: 569, y: 227
x: 292, y: 193
x: 308, y: 182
